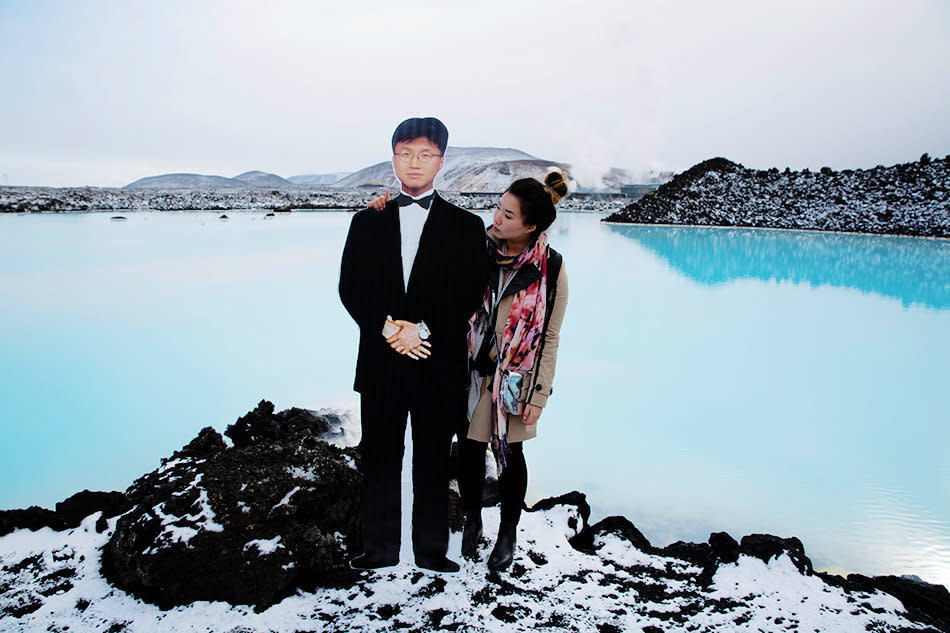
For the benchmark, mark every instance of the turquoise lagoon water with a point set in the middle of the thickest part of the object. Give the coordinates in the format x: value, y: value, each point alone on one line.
x: 708, y: 379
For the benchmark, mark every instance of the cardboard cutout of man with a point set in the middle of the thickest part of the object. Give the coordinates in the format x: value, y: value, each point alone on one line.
x: 411, y: 276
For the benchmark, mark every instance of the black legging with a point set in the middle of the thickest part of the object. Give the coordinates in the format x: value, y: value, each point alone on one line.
x: 512, y: 485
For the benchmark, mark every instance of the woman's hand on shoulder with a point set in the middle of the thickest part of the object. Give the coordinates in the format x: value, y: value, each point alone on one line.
x: 531, y: 414
x: 379, y: 203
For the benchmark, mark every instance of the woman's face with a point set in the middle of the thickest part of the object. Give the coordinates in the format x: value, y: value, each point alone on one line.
x: 507, y: 223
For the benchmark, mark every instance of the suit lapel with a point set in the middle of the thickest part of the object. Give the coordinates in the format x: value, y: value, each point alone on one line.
x: 392, y: 253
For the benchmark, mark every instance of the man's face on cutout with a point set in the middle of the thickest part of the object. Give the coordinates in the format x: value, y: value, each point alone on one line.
x: 416, y: 164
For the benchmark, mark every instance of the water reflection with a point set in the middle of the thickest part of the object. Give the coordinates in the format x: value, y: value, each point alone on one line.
x: 915, y: 271
x: 904, y: 535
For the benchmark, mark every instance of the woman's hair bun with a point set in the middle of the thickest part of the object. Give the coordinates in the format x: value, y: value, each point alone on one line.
x: 556, y: 184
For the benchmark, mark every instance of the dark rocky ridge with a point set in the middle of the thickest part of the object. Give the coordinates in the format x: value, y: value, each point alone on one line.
x: 68, y: 513
x: 72, y: 199
x: 276, y: 512
x: 86, y: 199
x: 906, y: 199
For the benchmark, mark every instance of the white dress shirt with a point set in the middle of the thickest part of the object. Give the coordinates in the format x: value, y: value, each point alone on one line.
x: 412, y: 219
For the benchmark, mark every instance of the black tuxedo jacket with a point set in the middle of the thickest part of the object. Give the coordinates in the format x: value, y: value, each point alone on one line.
x: 446, y: 284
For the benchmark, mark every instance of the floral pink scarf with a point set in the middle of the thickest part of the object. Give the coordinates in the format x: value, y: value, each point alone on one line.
x: 522, y: 335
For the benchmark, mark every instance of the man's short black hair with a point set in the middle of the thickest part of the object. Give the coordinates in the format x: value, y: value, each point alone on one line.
x: 428, y: 127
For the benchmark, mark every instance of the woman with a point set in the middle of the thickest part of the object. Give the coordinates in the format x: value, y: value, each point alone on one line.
x: 513, y: 343
x: 519, y: 323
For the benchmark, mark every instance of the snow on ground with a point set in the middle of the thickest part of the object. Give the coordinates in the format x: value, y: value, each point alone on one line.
x: 50, y: 581
x: 776, y: 594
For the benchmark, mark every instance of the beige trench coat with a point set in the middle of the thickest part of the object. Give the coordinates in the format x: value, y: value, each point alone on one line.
x: 539, y: 384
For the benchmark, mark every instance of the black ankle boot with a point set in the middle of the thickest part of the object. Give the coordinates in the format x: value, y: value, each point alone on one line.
x: 471, y: 534
x: 504, y: 551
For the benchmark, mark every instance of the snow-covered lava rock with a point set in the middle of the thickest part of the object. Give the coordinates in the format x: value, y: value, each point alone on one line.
x: 906, y: 199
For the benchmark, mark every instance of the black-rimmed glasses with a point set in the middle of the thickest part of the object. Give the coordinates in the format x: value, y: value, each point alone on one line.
x: 424, y: 158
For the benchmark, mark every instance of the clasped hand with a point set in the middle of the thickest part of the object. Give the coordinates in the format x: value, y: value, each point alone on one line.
x: 405, y: 340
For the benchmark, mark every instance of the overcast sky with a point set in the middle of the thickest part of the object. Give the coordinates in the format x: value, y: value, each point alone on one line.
x: 104, y: 93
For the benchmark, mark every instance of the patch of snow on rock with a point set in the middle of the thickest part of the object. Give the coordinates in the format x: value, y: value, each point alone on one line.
x: 173, y: 529
x: 301, y: 473
x: 264, y: 547
x: 286, y: 499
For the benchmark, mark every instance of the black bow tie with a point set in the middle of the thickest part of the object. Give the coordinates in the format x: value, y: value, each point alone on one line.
x: 404, y: 201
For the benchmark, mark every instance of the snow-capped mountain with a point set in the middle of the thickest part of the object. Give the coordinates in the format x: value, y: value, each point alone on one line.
x: 197, y: 181
x: 318, y: 179
x: 466, y: 169
x: 186, y: 181
x: 470, y: 169
x: 263, y: 179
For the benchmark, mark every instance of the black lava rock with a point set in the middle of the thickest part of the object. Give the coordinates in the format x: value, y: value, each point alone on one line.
x: 32, y: 518
x: 766, y: 547
x: 573, y: 498
x: 725, y: 549
x: 247, y: 524
x: 924, y: 602
x: 906, y: 199
x: 73, y: 510
x: 68, y: 513
x: 263, y: 425
x: 583, y: 539
x: 622, y: 527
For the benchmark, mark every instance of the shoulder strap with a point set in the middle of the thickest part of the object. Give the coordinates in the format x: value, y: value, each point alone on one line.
x: 554, y: 270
